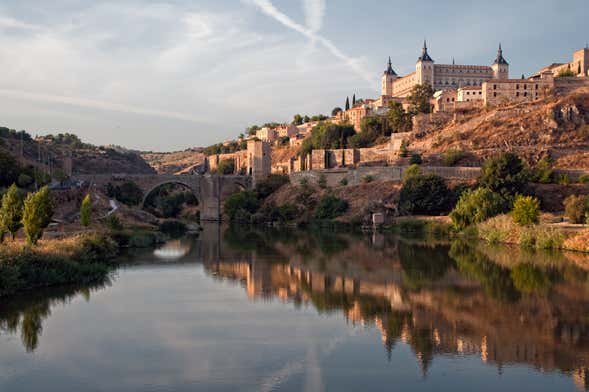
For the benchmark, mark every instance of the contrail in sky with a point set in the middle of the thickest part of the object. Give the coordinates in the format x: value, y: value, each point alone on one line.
x: 314, y: 10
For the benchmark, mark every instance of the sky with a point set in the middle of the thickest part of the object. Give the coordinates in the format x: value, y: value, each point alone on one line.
x: 169, y: 75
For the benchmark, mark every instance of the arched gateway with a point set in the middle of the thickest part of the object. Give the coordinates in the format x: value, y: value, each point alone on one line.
x: 210, y: 190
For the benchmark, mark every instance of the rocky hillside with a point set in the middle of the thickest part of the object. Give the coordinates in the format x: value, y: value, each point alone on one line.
x: 86, y: 158
x: 174, y: 162
x: 557, y: 127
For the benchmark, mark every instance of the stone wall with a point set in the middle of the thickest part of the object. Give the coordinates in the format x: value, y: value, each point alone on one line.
x: 565, y: 86
x: 239, y: 158
x: 381, y: 173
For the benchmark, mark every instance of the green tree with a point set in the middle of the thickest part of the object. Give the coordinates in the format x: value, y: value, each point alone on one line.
x: 425, y: 195
x: 526, y: 210
x: 542, y: 172
x: 328, y: 136
x: 241, y: 204
x: 37, y: 213
x: 11, y: 212
x: 335, y: 111
x: 330, y: 207
x: 398, y: 119
x: 419, y: 98
x: 306, y: 119
x: 297, y: 120
x: 353, y: 100
x: 415, y: 159
x: 347, y: 103
x: 9, y: 169
x: 86, y: 211
x: 475, y: 207
x: 504, y: 174
x: 576, y: 207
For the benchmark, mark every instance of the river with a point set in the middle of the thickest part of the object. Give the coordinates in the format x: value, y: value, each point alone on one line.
x: 251, y: 310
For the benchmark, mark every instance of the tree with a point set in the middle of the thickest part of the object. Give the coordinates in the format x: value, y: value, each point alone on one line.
x: 399, y: 120
x: 576, y: 208
x: 35, y: 214
x: 9, y: 169
x: 347, y: 103
x: 419, y: 98
x: 425, y: 195
x: 297, y: 119
x: 330, y: 207
x: 241, y: 204
x: 328, y: 136
x: 86, y: 211
x: 504, y: 174
x: 526, y: 210
x: 306, y: 119
x: 335, y: 111
x: 475, y: 207
x: 11, y: 212
x: 353, y: 100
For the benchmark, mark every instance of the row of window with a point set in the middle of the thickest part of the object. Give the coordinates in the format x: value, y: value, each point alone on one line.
x: 516, y: 87
x: 517, y: 94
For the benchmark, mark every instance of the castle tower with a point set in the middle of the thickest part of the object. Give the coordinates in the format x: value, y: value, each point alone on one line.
x: 388, y: 77
x: 259, y: 160
x: 424, y: 69
x: 500, y: 66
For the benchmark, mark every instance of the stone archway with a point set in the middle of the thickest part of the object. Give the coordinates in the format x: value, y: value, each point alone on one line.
x: 184, y: 184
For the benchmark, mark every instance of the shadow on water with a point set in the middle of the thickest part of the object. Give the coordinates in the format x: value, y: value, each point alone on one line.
x: 503, y: 305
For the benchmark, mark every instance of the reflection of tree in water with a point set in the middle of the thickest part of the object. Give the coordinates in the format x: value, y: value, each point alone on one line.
x: 423, y: 265
x: 27, y: 313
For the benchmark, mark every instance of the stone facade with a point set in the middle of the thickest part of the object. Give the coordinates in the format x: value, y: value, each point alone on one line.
x: 259, y: 160
x: 496, y: 92
x: 267, y: 134
x: 579, y: 66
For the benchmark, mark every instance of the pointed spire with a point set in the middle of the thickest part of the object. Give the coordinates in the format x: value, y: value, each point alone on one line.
x: 453, y: 62
x: 390, y: 70
x: 424, y: 55
x: 500, y: 59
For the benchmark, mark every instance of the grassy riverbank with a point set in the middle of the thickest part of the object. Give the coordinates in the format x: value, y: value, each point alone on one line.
x: 83, y: 258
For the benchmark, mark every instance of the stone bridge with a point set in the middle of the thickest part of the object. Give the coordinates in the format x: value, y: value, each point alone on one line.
x: 210, y: 190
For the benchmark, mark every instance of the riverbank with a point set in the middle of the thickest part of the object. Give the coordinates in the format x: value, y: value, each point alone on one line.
x: 84, y: 258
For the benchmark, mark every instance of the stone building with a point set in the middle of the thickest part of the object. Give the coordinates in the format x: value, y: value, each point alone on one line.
x: 267, y: 134
x: 442, y: 76
x: 579, y: 66
x: 259, y: 160
x: 516, y: 90
x: 287, y: 130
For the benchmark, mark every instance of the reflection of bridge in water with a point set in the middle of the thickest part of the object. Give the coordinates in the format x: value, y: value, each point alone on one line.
x: 452, y: 313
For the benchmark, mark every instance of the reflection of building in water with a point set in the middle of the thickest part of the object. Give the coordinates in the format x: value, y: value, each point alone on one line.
x: 453, y: 316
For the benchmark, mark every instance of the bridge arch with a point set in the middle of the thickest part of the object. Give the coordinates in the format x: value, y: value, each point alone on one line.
x: 194, y: 190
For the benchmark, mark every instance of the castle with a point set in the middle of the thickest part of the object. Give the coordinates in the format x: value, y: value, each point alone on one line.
x: 442, y: 76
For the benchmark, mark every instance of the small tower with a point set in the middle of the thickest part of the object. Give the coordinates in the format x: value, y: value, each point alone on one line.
x: 424, y: 69
x: 500, y: 66
x: 388, y: 77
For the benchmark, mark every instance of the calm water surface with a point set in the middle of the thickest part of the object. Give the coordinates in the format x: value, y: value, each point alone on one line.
x: 308, y: 311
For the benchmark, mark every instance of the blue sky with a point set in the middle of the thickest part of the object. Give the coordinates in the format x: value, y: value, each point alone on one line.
x: 168, y: 75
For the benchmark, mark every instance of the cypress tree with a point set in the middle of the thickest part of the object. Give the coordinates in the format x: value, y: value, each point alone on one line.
x: 37, y: 213
x: 86, y: 211
x: 354, y: 100
x: 347, y: 103
x: 10, y: 212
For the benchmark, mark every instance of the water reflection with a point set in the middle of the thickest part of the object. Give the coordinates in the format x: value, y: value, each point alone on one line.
x: 502, y: 305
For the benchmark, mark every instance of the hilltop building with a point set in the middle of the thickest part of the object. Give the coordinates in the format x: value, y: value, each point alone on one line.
x: 579, y: 66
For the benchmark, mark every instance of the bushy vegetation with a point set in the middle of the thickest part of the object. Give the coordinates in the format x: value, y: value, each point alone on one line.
x: 328, y: 136
x: 375, y: 130
x: 330, y: 207
x: 128, y: 193
x: 584, y: 179
x: 86, y: 211
x: 504, y: 174
x: 502, y: 229
x: 36, y: 215
x: 419, y: 98
x: 566, y: 73
x: 270, y: 185
x: 228, y: 148
x: 475, y: 206
x: 452, y: 156
x: 415, y: 159
x: 239, y: 206
x: 576, y: 208
x: 10, y: 212
x: 398, y: 119
x: 526, y: 210
x: 425, y: 195
x: 543, y: 172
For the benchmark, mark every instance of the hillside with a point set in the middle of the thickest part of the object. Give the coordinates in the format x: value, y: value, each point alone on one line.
x: 174, y: 162
x: 86, y: 158
x: 557, y: 127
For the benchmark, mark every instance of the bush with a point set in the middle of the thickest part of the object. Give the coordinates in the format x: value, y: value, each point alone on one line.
x: 343, y: 182
x: 415, y: 159
x: 584, y: 179
x: 368, y: 178
x: 86, y: 211
x: 542, y: 172
x: 37, y: 212
x: 128, y: 193
x: 113, y: 223
x: 526, y: 210
x: 24, y: 180
x: 412, y: 171
x: 504, y: 174
x: 270, y: 185
x: 425, y: 195
x: 452, y: 156
x: 330, y: 207
x: 322, y: 182
x: 475, y: 207
x: 575, y: 208
x: 239, y: 206
x: 11, y: 212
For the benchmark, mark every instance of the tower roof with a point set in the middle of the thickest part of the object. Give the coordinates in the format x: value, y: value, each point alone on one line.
x: 390, y: 70
x: 500, y: 59
x: 424, y: 55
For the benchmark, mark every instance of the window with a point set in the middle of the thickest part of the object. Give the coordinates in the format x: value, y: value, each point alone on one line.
x: 536, y: 87
x: 525, y: 86
x: 494, y: 87
x: 517, y: 94
x: 517, y: 86
x: 494, y: 94
x: 525, y: 94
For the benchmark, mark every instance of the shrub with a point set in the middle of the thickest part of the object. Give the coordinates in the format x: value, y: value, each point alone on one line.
x: 542, y: 172
x: 86, y: 211
x: 584, y: 179
x: 576, y: 207
x: 24, y: 180
x: 343, y: 182
x: 525, y: 210
x: 241, y: 205
x: 453, y: 156
x: 498, y: 229
x: 11, y: 212
x: 322, y: 182
x: 330, y: 207
x: 367, y: 178
x: 412, y: 171
x: 113, y: 223
x: 270, y: 185
x: 415, y: 159
x: 425, y: 194
x: 504, y: 174
x: 475, y: 207
x: 128, y: 193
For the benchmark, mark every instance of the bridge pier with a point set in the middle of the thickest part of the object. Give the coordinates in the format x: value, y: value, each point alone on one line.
x: 210, y: 192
